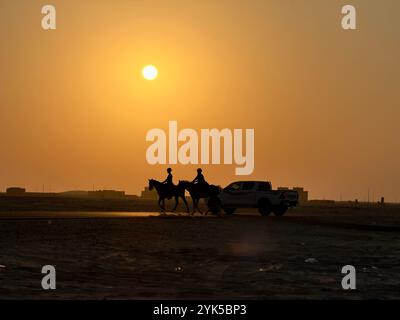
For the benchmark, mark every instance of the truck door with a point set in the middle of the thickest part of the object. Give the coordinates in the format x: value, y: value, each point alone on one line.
x: 247, y: 194
x: 231, y: 193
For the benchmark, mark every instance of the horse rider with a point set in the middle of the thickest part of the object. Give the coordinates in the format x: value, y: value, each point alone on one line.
x: 199, y: 180
x: 168, y: 182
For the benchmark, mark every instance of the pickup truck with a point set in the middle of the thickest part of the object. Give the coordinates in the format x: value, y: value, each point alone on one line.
x: 253, y: 194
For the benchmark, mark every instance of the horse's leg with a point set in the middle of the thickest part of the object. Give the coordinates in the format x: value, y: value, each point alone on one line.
x: 186, y: 204
x: 163, y: 205
x: 197, y: 205
x: 176, y: 203
x: 194, y: 205
x: 159, y: 204
x: 208, y: 210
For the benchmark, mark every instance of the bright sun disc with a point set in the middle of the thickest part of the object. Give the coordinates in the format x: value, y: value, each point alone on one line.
x: 150, y: 72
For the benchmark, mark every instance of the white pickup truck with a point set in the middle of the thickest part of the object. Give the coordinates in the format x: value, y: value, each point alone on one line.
x: 253, y: 194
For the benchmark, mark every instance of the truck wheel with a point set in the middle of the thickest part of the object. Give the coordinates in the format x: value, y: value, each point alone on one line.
x: 229, y: 210
x: 280, y: 211
x: 214, y: 205
x: 264, y: 208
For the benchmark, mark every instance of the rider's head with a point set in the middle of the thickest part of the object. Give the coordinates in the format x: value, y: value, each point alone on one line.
x: 169, y: 170
x: 199, y: 170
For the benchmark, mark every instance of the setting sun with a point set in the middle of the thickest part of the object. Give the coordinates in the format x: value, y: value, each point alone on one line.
x: 150, y: 72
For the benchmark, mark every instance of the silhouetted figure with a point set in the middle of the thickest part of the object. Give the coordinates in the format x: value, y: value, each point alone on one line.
x: 200, y: 181
x: 165, y: 192
x: 197, y: 192
x: 168, y: 181
x: 199, y: 178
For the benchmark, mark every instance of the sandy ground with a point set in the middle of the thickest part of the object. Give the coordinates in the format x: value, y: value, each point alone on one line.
x: 145, y: 256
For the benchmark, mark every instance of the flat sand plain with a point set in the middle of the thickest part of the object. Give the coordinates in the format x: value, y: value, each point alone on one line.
x: 142, y: 255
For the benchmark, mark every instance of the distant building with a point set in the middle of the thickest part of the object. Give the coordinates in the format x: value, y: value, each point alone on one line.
x: 321, y: 202
x: 149, y: 194
x: 15, y: 191
x: 72, y: 194
x: 303, y: 195
x: 106, y: 194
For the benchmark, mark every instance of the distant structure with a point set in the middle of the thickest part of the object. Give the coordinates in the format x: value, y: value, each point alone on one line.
x: 303, y: 195
x: 15, y: 191
x: 147, y: 194
x: 106, y: 194
x: 99, y: 194
x: 74, y: 193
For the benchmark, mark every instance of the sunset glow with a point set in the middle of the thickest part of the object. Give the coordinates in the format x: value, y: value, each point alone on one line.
x: 325, y: 113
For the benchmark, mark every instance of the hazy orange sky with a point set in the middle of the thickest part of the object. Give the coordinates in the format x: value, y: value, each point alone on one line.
x: 324, y: 102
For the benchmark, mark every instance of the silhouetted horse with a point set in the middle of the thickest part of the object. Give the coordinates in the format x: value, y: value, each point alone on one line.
x: 198, y: 192
x: 164, y: 191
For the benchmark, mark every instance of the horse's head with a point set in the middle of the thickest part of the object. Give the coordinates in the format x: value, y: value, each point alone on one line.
x: 151, y: 184
x: 183, y: 183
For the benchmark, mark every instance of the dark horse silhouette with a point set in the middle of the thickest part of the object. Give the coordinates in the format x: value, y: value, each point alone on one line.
x: 198, y: 192
x: 164, y: 191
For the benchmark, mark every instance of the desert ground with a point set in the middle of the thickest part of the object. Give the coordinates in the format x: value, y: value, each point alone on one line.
x: 144, y: 255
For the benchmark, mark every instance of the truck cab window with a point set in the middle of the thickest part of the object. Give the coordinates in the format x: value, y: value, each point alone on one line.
x: 246, y: 186
x: 233, y: 187
x: 264, y: 186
